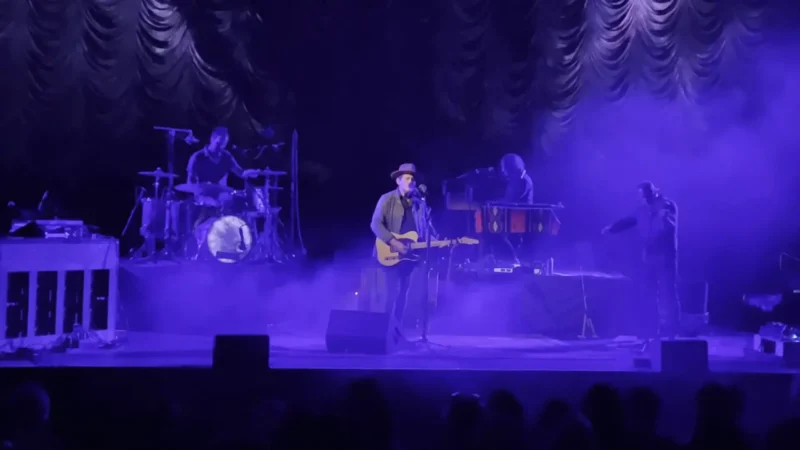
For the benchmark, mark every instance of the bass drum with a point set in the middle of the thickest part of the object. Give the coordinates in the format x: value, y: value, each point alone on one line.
x: 228, y: 239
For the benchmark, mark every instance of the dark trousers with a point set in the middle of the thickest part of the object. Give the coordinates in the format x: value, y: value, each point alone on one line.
x: 398, y: 284
x: 660, y: 285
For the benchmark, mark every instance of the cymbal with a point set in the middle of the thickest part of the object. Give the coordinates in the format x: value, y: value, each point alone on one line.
x: 158, y: 173
x: 207, y: 189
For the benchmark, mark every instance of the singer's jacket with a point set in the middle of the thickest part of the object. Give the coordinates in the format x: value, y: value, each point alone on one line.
x: 657, y: 224
x: 388, y: 217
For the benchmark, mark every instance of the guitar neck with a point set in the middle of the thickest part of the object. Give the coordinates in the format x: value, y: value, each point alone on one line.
x: 419, y: 245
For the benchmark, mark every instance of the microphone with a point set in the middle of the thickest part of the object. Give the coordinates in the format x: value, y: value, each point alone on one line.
x: 420, y: 192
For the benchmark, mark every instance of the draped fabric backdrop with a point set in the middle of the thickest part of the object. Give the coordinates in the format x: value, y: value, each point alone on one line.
x: 506, y: 65
x: 111, y: 68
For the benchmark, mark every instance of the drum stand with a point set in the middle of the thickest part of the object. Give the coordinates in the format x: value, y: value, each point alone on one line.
x: 148, y: 251
x: 170, y: 240
x: 268, y: 241
x: 139, y: 196
x: 268, y: 245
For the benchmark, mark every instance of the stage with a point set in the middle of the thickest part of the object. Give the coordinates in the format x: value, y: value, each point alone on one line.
x: 727, y: 354
x: 168, y: 314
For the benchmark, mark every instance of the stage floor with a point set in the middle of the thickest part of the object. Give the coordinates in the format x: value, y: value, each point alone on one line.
x: 727, y: 353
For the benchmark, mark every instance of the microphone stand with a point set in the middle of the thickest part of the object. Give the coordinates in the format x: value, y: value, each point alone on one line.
x: 170, y: 241
x: 171, y: 134
x: 423, y: 340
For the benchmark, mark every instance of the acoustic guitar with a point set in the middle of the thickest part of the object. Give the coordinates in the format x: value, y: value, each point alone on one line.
x: 388, y: 257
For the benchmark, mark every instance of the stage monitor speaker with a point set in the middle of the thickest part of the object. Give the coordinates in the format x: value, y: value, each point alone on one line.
x: 362, y: 332
x: 791, y: 354
x: 241, y: 352
x: 684, y: 356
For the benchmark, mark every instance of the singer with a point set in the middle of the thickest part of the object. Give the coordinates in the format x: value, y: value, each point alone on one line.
x: 400, y: 211
x: 212, y: 163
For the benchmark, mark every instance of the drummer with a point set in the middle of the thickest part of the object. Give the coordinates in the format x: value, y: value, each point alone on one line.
x: 212, y: 163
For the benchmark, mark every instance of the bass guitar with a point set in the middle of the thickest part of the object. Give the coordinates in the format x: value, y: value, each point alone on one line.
x: 388, y: 257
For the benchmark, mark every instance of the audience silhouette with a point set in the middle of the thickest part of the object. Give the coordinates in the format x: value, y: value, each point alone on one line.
x: 364, y: 418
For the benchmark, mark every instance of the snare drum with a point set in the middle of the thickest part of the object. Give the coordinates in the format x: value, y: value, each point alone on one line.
x: 227, y: 239
x: 160, y: 218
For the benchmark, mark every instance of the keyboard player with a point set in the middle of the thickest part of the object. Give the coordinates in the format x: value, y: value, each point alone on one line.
x: 519, y: 190
x: 519, y: 186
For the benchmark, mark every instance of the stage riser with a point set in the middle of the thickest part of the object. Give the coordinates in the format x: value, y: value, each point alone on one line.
x: 211, y: 298
x: 551, y: 306
x: 50, y: 285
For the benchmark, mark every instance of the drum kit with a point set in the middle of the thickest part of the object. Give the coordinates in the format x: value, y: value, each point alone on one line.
x: 210, y: 221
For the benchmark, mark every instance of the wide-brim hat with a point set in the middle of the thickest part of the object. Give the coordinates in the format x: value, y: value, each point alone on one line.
x: 405, y: 168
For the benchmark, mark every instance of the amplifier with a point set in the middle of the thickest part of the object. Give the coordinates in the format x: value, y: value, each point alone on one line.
x: 49, y: 285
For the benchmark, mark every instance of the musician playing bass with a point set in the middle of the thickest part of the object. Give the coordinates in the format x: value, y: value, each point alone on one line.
x: 400, y: 211
x: 657, y: 222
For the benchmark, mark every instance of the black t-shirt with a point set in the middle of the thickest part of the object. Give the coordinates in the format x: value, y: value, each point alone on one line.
x: 519, y: 189
x: 408, y: 223
x: 210, y: 169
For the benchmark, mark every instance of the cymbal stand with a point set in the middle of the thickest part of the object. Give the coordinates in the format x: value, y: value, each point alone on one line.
x: 140, y: 191
x: 295, y: 243
x: 268, y: 238
x: 172, y: 133
x: 588, y: 325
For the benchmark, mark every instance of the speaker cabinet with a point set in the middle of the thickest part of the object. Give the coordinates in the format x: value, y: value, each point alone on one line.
x: 362, y: 332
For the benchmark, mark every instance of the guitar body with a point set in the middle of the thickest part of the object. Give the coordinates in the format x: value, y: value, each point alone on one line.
x: 388, y: 257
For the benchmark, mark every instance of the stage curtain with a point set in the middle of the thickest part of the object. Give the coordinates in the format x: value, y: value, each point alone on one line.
x: 99, y: 67
x: 112, y: 67
x: 676, y: 50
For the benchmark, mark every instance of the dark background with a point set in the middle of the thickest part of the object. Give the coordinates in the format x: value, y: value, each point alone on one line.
x: 449, y: 85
